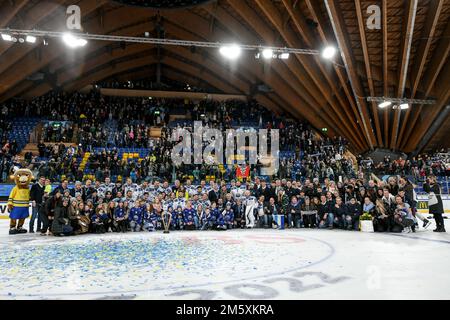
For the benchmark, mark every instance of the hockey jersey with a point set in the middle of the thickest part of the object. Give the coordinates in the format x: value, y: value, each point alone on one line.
x: 228, y: 216
x: 104, y: 188
x: 238, y: 192
x: 188, y: 215
x: 119, y: 213
x: 136, y: 214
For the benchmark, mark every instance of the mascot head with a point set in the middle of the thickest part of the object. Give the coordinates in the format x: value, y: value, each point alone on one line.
x: 22, y: 177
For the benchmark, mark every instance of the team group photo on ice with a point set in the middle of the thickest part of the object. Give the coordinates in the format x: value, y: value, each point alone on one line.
x: 224, y: 149
x: 131, y: 207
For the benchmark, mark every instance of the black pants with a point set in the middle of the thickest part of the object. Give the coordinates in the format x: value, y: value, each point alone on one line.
x: 381, y: 225
x: 439, y: 220
x: 309, y: 220
x: 46, y: 222
x: 121, y: 226
x: 75, y: 225
x: 98, y: 228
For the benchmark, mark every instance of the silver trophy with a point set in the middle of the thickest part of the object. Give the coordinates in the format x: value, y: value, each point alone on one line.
x: 166, y: 218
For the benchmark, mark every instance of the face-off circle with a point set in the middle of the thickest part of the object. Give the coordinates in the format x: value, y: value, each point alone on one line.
x: 142, y: 263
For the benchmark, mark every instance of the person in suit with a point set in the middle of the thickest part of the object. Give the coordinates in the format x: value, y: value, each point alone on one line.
x: 214, y: 194
x: 437, y: 209
x: 36, y: 197
x: 271, y: 209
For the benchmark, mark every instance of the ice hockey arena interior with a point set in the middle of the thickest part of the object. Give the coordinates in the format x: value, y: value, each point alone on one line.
x: 217, y: 150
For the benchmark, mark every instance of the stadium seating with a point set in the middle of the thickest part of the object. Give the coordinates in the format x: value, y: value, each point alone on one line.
x: 21, y: 130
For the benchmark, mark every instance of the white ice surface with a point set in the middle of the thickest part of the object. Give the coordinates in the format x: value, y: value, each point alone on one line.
x: 258, y: 264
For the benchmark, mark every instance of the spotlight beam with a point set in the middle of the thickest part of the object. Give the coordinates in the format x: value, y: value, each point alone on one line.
x: 170, y: 42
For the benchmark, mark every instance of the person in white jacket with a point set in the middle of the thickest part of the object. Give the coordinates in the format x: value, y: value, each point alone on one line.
x: 250, y: 203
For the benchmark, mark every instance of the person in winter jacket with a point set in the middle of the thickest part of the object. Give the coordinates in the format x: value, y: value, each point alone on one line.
x: 436, y: 209
x: 61, y: 223
x: 120, y: 217
x: 353, y: 212
x: 294, y: 213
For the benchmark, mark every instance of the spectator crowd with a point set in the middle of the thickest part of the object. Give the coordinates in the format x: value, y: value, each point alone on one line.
x: 317, y: 185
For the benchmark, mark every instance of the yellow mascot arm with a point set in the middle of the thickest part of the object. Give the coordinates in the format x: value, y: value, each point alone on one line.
x: 12, y: 196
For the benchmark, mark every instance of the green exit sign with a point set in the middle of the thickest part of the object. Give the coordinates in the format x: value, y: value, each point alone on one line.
x: 324, y: 129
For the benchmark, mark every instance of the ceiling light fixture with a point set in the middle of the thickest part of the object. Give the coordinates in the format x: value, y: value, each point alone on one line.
x: 231, y: 52
x: 329, y: 52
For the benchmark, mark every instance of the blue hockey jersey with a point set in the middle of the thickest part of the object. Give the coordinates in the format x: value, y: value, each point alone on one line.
x: 188, y: 215
x: 136, y: 214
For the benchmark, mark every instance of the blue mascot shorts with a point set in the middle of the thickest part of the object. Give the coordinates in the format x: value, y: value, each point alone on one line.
x: 19, y: 213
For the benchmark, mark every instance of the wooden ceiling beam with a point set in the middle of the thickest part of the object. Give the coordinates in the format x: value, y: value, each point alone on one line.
x: 173, y: 62
x: 443, y: 86
x: 307, y: 62
x: 427, y: 35
x: 277, y: 80
x: 9, y: 10
x: 11, y: 53
x: 307, y: 36
x: 362, y: 34
x: 250, y: 67
x: 72, y: 69
x: 342, y: 37
x: 300, y: 79
x: 409, y: 19
x: 108, y: 70
x: 421, y: 55
x: 233, y: 81
x: 384, y: 9
x: 24, y: 86
x: 32, y: 63
x: 311, y: 93
x: 437, y: 62
x: 324, y: 33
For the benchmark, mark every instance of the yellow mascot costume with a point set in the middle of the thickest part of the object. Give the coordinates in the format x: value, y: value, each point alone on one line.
x: 19, y: 201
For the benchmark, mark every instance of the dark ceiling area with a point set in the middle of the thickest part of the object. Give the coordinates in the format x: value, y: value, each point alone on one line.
x: 163, y: 4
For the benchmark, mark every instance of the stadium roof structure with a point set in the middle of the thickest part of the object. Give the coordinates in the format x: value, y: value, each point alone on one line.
x: 406, y: 58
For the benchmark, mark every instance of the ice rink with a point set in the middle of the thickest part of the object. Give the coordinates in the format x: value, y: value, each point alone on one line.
x: 238, y: 264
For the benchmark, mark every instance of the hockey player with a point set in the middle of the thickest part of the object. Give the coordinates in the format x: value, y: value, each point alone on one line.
x: 219, y: 223
x: 195, y: 201
x: 130, y: 199
x: 228, y: 216
x: 166, y: 187
x: 250, y: 203
x: 147, y: 219
x: 180, y: 201
x: 105, y: 187
x: 156, y: 219
x: 208, y: 219
x: 120, y: 218
x: 130, y: 186
x: 238, y: 191
x: 190, y: 217
x: 97, y: 223
x: 205, y: 201
x: 174, y: 222
x: 180, y: 217
x: 136, y: 216
x: 238, y: 212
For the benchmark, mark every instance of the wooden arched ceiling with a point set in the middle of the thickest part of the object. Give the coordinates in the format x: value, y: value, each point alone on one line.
x: 384, y: 62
